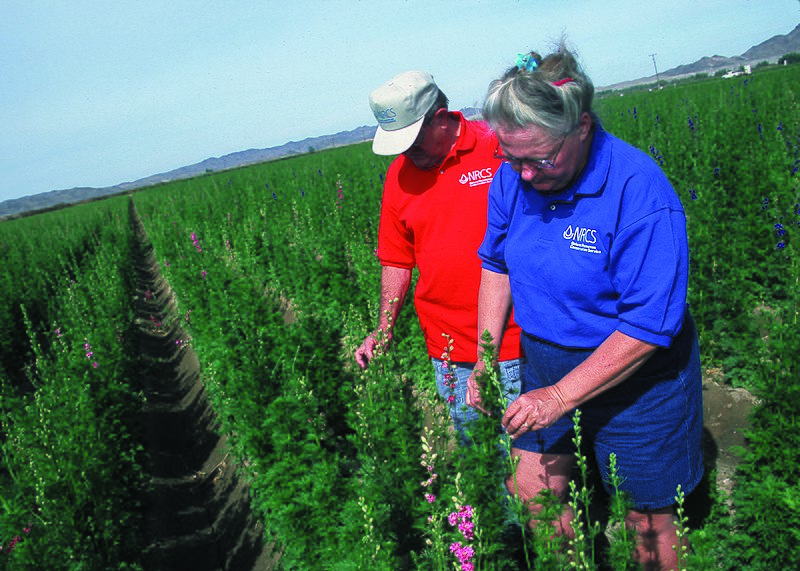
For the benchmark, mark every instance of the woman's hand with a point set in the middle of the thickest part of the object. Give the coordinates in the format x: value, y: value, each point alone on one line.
x: 534, y: 410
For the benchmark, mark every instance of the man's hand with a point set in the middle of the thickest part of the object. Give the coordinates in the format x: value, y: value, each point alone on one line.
x: 365, y: 353
x: 534, y: 410
x: 474, y: 390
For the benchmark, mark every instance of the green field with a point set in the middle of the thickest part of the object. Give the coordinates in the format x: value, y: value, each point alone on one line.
x: 276, y: 282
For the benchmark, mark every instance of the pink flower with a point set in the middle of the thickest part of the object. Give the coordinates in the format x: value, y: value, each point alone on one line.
x: 467, y: 528
x: 465, y: 554
x: 13, y: 543
x: 462, y: 518
x: 196, y: 242
x: 430, y: 497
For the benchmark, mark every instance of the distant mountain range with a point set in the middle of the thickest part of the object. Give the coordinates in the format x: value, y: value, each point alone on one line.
x: 54, y: 198
x: 770, y: 50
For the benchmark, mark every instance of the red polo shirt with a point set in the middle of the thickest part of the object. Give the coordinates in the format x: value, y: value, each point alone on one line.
x: 435, y: 220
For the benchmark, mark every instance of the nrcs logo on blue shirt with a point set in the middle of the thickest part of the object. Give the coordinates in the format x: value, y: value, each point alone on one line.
x: 582, y: 239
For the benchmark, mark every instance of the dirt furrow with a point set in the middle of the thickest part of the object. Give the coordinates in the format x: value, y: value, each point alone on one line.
x: 197, y: 511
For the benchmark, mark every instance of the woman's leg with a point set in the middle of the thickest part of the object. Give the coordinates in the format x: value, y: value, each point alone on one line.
x: 537, y: 472
x: 657, y: 538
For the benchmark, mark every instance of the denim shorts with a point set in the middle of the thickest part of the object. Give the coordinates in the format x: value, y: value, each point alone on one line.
x: 652, y: 421
x: 456, y: 396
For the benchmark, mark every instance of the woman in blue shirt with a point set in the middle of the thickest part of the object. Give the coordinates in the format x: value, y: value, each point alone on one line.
x: 588, y: 238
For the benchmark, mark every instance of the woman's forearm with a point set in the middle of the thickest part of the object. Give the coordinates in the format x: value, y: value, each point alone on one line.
x: 609, y: 365
x: 494, y: 307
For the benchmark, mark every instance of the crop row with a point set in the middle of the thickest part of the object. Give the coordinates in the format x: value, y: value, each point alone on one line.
x: 71, y: 467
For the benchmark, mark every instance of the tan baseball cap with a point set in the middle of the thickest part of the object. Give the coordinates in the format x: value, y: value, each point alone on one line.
x: 400, y: 105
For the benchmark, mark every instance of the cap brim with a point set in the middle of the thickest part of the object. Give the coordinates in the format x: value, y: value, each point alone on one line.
x: 397, y: 141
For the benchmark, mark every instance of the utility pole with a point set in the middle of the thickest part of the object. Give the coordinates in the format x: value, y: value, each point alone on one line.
x: 658, y: 80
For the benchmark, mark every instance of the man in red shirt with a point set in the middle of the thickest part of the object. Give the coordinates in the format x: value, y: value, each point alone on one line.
x: 433, y: 217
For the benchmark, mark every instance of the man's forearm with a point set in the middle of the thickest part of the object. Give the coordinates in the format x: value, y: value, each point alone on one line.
x: 394, y: 287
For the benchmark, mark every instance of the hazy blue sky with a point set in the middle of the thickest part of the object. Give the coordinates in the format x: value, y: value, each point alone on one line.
x: 96, y: 93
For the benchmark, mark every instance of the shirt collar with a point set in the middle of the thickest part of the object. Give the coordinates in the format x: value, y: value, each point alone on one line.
x: 593, y: 178
x: 465, y: 142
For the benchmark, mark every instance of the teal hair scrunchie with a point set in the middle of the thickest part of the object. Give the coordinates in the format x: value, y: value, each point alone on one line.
x: 526, y: 62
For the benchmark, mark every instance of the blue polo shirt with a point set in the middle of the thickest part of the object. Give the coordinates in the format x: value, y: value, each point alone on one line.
x: 608, y: 253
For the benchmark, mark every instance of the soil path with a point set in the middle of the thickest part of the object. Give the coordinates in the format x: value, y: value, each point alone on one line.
x: 197, y: 510
x: 726, y: 414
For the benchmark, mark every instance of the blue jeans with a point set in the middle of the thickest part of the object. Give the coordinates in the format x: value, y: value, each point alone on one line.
x: 462, y: 414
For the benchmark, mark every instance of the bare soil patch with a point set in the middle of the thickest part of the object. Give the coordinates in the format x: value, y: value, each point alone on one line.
x: 726, y: 419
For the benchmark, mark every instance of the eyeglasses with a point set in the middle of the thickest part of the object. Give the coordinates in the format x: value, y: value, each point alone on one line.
x: 542, y: 164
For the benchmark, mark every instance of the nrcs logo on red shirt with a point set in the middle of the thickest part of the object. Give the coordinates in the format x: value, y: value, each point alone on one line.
x: 477, y: 177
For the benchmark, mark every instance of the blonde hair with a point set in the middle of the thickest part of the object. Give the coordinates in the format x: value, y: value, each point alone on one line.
x: 553, y: 96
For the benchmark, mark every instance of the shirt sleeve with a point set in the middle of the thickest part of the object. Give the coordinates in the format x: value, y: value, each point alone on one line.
x: 649, y: 265
x: 395, y: 239
x: 492, y: 249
